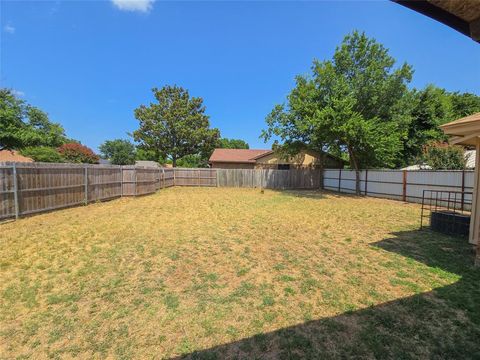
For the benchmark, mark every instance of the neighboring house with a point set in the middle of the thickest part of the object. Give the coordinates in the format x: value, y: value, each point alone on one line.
x: 147, y: 163
x: 268, y: 159
x: 471, y: 157
x: 103, y: 161
x: 417, y: 167
x: 14, y: 156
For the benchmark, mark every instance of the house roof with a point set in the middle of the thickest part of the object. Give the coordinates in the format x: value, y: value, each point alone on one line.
x: 248, y: 156
x: 147, y: 163
x: 14, y: 156
x: 237, y: 155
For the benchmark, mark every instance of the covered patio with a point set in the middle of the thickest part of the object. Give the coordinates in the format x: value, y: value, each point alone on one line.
x: 463, y: 16
x: 466, y: 131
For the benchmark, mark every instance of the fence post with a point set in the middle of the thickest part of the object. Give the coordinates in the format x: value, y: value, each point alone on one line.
x: 404, y: 191
x: 85, y: 187
x: 135, y: 172
x: 198, y: 181
x: 174, y: 176
x: 15, y: 191
x: 340, y: 180
x: 262, y: 175
x: 163, y: 174
x: 366, y: 182
x: 322, y: 174
x: 121, y: 180
x: 463, y: 187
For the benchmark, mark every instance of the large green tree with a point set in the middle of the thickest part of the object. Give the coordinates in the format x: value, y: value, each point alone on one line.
x: 175, y: 126
x: 118, y: 151
x: 430, y: 108
x: 226, y: 143
x: 23, y: 125
x: 352, y: 103
x: 295, y: 126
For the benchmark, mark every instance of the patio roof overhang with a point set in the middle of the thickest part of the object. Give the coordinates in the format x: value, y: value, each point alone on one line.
x: 466, y: 131
x: 461, y: 15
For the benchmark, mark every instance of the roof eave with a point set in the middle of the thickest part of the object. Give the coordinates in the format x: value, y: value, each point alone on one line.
x: 425, y: 7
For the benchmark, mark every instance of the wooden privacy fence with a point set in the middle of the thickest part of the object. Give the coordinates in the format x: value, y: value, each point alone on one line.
x: 402, y: 185
x: 195, y: 177
x: 28, y: 188
x: 269, y: 179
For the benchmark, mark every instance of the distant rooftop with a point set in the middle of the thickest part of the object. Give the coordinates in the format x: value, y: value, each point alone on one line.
x: 237, y: 155
x: 14, y: 156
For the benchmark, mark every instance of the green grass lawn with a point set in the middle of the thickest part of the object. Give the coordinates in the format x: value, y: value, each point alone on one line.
x: 214, y: 273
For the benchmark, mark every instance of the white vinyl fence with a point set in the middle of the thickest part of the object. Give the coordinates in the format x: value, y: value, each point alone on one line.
x: 401, y: 184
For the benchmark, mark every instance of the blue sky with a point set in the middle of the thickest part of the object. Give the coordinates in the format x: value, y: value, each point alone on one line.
x: 89, y: 64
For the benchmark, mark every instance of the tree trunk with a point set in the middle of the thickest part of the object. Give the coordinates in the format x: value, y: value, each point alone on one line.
x: 354, y: 163
x: 174, y: 161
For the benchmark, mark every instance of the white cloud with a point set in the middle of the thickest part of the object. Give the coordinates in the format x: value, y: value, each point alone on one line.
x: 9, y: 29
x: 134, y: 5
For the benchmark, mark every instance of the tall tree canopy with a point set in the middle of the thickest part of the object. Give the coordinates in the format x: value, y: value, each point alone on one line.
x: 226, y: 143
x: 175, y: 126
x: 352, y: 103
x: 118, y: 151
x: 23, y: 125
x: 430, y: 108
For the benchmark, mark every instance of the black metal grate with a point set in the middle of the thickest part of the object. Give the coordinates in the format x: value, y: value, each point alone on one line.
x: 446, y: 211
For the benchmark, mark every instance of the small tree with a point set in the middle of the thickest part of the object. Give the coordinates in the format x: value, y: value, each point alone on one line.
x: 176, y: 126
x: 118, y: 151
x: 442, y: 156
x: 42, y: 154
x: 78, y: 153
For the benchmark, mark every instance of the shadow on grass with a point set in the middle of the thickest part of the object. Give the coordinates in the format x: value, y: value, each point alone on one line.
x: 440, y: 324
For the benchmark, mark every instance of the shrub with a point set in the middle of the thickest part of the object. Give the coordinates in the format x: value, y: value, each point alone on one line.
x: 442, y: 156
x: 42, y: 154
x: 78, y: 153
